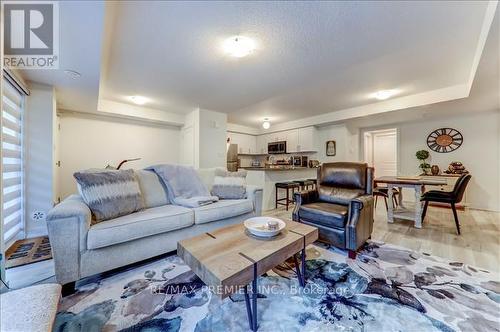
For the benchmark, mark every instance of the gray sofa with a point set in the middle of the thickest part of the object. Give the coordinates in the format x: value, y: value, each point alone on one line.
x: 81, y: 250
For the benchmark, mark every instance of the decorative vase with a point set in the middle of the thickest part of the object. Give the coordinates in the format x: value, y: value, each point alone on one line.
x: 435, y: 169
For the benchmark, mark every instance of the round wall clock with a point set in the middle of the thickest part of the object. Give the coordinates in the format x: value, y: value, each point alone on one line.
x: 444, y: 140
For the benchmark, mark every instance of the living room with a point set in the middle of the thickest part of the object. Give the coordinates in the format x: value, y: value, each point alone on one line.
x: 207, y: 166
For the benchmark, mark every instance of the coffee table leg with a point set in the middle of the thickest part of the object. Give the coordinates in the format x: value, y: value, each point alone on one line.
x: 297, y: 271
x: 254, y: 298
x: 301, y: 272
x: 249, y: 309
x: 252, y: 307
x: 304, y: 266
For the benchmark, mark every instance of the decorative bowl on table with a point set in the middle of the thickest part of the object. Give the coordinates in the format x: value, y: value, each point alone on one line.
x: 264, y: 226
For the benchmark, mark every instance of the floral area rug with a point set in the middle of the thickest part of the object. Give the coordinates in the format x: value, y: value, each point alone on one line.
x: 386, y: 288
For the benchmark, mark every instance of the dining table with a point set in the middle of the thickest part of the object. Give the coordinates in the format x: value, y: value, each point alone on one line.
x: 416, y: 183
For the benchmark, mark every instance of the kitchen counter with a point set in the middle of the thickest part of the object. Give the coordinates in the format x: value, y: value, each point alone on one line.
x: 276, y: 169
x: 266, y: 178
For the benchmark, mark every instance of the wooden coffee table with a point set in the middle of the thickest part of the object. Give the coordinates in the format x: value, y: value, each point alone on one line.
x: 229, y: 259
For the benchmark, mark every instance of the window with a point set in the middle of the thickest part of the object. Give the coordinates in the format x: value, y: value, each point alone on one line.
x: 12, y: 162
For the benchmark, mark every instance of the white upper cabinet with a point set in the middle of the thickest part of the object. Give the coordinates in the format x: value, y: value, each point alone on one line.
x: 247, y: 144
x: 297, y: 140
x: 262, y: 141
x: 277, y: 137
x: 292, y: 140
x: 307, y: 139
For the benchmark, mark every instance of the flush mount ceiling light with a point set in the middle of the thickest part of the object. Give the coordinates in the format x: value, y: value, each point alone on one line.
x: 138, y: 100
x: 72, y: 73
x: 385, y: 94
x: 239, y: 46
x: 266, y: 124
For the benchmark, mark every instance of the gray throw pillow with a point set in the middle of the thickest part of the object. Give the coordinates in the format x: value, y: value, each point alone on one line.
x: 110, y: 194
x: 229, y: 185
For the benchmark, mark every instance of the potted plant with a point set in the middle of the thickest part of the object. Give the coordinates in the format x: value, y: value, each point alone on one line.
x: 422, y: 156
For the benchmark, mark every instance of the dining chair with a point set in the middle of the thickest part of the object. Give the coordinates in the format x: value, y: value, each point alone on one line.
x: 450, y: 197
x: 384, y: 192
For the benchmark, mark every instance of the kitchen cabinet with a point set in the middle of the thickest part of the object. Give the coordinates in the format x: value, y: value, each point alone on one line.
x: 307, y: 140
x: 297, y: 140
x: 292, y: 140
x: 301, y: 140
x: 277, y: 137
x: 246, y: 143
x: 261, y: 143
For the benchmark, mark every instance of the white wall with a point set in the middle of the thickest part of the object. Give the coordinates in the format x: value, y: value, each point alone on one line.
x: 39, y: 157
x: 478, y: 153
x: 204, y: 139
x: 212, y: 139
x: 346, y: 139
x: 189, y: 152
x: 90, y: 142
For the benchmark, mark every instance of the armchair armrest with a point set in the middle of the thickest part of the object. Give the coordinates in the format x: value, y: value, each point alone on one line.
x: 360, y: 221
x: 68, y: 224
x: 303, y: 197
x: 255, y: 194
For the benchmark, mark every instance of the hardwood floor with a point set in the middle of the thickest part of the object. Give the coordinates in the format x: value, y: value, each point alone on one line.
x: 27, y: 275
x: 479, y: 244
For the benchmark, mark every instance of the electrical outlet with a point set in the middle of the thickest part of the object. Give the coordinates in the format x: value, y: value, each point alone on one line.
x: 38, y: 215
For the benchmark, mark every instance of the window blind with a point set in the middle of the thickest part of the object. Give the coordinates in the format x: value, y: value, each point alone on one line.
x: 12, y: 161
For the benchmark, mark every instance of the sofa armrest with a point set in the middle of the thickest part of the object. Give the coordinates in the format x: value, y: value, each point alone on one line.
x: 303, y: 197
x: 360, y: 221
x: 255, y: 194
x: 68, y: 224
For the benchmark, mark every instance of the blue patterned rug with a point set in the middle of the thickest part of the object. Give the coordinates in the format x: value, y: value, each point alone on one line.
x: 387, y: 288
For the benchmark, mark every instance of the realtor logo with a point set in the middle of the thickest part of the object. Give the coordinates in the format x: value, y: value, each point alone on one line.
x: 31, y: 34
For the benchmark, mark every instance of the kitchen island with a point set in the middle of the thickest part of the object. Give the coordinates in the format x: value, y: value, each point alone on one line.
x: 267, y: 177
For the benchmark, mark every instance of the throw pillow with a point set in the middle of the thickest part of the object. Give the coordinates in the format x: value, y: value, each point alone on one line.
x: 229, y: 185
x: 152, y: 188
x: 110, y: 194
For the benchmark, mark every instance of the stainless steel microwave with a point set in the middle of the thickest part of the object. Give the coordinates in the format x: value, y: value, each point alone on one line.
x: 276, y: 147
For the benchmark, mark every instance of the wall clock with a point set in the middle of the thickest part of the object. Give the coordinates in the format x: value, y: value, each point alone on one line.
x: 444, y: 140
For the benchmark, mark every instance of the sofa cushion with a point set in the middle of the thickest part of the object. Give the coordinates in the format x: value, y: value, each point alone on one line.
x: 137, y: 225
x: 152, y: 189
x: 229, y: 185
x: 224, y: 208
x: 326, y: 214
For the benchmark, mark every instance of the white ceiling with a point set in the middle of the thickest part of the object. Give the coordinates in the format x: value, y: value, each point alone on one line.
x: 484, y: 94
x: 313, y: 57
x: 80, y: 36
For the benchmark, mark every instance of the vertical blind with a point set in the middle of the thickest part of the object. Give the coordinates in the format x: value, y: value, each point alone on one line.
x: 12, y: 161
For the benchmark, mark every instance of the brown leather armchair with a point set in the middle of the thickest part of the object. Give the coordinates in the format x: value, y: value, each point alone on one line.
x: 341, y: 206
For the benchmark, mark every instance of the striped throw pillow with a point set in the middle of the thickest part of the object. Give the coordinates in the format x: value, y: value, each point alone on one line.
x: 110, y: 193
x: 229, y: 185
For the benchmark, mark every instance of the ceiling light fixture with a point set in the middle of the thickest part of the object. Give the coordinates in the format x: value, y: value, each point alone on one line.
x: 384, y: 94
x: 72, y: 73
x: 239, y: 46
x: 266, y: 124
x: 138, y: 100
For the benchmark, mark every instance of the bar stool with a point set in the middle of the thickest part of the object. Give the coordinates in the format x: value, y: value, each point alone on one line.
x: 315, y: 182
x: 287, y: 186
x: 305, y: 184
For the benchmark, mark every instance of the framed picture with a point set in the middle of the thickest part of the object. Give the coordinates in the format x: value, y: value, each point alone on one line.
x: 331, y: 148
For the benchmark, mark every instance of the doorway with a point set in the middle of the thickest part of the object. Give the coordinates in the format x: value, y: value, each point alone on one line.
x: 381, y: 151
